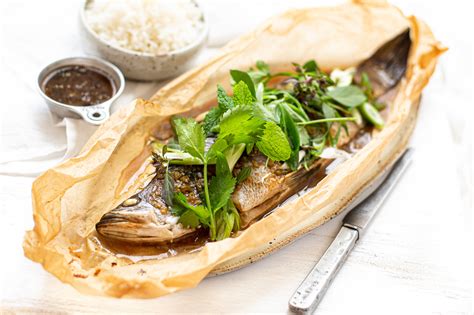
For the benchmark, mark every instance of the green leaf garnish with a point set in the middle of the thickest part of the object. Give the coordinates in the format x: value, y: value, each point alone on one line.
x: 238, y: 76
x: 298, y: 115
x: 273, y: 142
x: 222, y: 185
x: 290, y: 128
x: 349, y: 96
x: 190, y: 136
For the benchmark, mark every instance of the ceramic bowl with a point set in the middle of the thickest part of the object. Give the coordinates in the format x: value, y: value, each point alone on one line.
x: 137, y: 65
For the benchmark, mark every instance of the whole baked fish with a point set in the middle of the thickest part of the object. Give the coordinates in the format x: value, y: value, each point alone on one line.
x: 146, y: 218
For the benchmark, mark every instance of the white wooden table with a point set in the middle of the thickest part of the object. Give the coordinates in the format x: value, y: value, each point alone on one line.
x: 414, y: 259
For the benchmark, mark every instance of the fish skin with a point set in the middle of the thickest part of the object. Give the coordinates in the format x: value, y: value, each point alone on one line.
x: 269, y: 184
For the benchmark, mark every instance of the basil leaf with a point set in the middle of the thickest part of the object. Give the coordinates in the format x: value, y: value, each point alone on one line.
x: 310, y: 66
x: 349, y: 96
x: 238, y: 76
x: 291, y: 130
x: 190, y: 136
x: 273, y: 143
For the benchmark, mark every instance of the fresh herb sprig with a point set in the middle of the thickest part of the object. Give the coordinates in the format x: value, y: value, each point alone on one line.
x: 291, y: 122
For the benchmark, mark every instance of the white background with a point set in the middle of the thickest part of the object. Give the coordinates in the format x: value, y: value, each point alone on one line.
x: 416, y: 258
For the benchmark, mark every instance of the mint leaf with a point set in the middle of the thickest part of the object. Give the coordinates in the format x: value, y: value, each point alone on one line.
x: 349, y: 96
x: 242, y: 94
x: 239, y: 120
x: 273, y: 143
x: 212, y: 119
x: 222, y: 185
x: 224, y: 101
x: 225, y: 225
x: 238, y: 76
x: 190, y: 136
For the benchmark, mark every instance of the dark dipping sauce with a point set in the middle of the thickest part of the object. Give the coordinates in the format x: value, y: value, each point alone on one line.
x: 78, y: 85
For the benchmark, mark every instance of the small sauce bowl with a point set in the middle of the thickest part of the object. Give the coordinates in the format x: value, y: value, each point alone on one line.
x: 94, y: 114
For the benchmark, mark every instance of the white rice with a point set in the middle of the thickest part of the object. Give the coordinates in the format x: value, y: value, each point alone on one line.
x: 150, y: 26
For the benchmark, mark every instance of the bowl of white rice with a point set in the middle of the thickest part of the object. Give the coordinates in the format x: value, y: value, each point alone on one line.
x: 147, y: 39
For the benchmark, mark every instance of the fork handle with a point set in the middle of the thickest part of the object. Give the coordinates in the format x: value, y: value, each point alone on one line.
x: 310, y: 292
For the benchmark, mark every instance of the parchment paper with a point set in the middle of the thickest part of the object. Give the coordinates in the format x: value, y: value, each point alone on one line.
x: 69, y: 199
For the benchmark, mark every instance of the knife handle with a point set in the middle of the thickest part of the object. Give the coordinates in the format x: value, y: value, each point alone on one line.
x: 310, y: 292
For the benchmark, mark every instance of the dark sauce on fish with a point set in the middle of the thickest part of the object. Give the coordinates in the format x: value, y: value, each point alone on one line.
x: 78, y: 85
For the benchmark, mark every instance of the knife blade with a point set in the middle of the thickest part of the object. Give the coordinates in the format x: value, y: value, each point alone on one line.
x: 310, y: 292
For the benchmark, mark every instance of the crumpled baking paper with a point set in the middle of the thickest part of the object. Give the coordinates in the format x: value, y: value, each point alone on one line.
x: 69, y: 199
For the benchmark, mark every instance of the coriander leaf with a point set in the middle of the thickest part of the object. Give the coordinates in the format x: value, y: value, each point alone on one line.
x: 238, y: 76
x: 273, y: 143
x: 233, y: 154
x: 181, y: 203
x: 249, y: 147
x: 189, y: 219
x: 224, y: 101
x: 218, y: 146
x: 222, y: 185
x: 225, y: 225
x: 242, y: 94
x: 233, y: 210
x: 190, y: 136
x: 349, y: 96
x: 227, y: 220
x: 243, y: 174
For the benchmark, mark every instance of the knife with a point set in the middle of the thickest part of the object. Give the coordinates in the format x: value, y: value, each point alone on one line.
x: 310, y: 292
